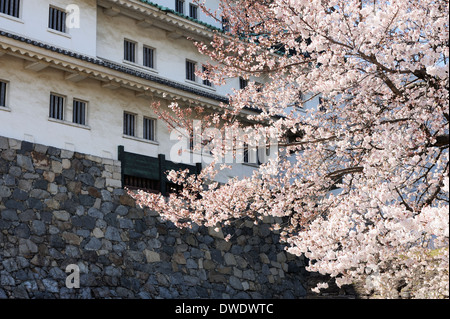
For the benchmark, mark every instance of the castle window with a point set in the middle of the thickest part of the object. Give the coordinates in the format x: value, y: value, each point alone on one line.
x: 10, y: 7
x: 190, y: 70
x: 79, y: 112
x: 149, y: 129
x: 57, y: 20
x: 129, y: 121
x: 3, y: 93
x: 56, y: 107
x: 193, y: 11
x: 225, y: 25
x: 246, y: 153
x: 179, y: 6
x: 206, y: 81
x: 149, y: 56
x: 129, y: 51
x: 243, y: 83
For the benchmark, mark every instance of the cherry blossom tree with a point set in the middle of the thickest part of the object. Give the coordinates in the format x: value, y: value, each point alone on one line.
x: 366, y: 197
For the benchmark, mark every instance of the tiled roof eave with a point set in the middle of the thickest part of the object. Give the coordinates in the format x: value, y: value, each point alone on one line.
x: 117, y: 67
x: 165, y: 15
x: 165, y: 9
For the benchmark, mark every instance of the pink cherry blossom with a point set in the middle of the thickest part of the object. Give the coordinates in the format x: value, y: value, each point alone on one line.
x: 364, y: 194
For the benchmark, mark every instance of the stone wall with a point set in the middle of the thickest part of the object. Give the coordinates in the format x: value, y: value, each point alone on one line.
x: 60, y: 207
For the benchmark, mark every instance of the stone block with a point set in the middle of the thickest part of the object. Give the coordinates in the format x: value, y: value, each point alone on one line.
x: 152, y: 256
x: 61, y: 215
x: 57, y: 167
x: 230, y: 260
x: 93, y: 244
x: 66, y: 154
x: 113, y: 182
x: 216, y: 232
x: 4, y: 144
x: 25, y: 162
x: 71, y: 238
x: 14, y: 144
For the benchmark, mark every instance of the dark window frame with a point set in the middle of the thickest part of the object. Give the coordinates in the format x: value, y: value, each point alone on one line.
x: 242, y: 83
x: 193, y: 11
x: 10, y: 7
x: 79, y: 111
x: 190, y: 70
x: 149, y: 132
x: 179, y: 6
x: 3, y: 93
x: 206, y: 81
x: 148, y: 57
x: 129, y: 50
x: 57, y: 19
x: 129, y: 124
x: 57, y: 106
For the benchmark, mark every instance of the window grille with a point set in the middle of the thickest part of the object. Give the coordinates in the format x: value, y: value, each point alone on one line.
x: 246, y: 153
x: 3, y: 93
x: 149, y: 185
x: 179, y: 6
x: 129, y: 124
x: 206, y: 81
x: 190, y: 70
x: 129, y: 51
x: 243, y: 83
x: 79, y: 112
x: 149, y: 129
x: 10, y: 7
x: 193, y: 11
x: 56, y: 107
x: 57, y: 19
x: 149, y: 57
x: 225, y: 25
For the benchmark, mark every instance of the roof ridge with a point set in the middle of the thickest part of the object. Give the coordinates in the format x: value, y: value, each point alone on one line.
x: 166, y: 9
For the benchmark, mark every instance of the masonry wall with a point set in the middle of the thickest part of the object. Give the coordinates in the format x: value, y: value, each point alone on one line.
x: 59, y: 207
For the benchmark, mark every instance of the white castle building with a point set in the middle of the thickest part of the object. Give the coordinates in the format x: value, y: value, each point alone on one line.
x: 82, y: 76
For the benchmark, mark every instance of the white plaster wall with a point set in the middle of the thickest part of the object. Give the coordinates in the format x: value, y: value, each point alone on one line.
x: 33, y: 23
x: 170, y: 54
x: 27, y: 115
x: 28, y: 101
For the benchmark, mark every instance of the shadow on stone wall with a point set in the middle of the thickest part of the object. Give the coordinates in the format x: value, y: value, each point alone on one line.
x: 60, y: 207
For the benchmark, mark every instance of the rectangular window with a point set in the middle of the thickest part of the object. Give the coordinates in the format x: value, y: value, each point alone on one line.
x: 206, y: 81
x: 79, y: 112
x: 149, y: 56
x: 243, y: 83
x: 57, y: 19
x: 3, y: 93
x: 129, y: 51
x: 149, y: 129
x: 190, y: 70
x: 56, y: 107
x: 192, y: 11
x: 225, y: 25
x: 10, y: 7
x: 129, y: 121
x: 179, y: 6
x: 246, y: 153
